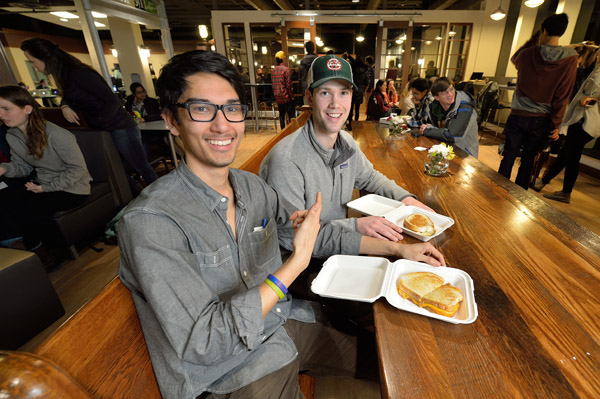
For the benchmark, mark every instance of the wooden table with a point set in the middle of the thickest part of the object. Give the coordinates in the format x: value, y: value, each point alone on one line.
x: 537, y: 286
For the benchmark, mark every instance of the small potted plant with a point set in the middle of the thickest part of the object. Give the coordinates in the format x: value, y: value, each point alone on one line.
x: 438, y: 159
x: 397, y: 125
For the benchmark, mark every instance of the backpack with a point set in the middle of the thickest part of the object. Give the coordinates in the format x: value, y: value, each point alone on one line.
x: 486, y: 100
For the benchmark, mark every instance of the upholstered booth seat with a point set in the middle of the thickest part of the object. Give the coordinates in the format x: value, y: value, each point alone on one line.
x: 28, y: 301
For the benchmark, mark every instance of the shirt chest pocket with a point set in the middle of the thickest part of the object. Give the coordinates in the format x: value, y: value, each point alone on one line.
x: 264, y: 247
x: 217, y: 269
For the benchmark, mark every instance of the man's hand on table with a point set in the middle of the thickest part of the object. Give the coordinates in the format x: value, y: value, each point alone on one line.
x: 379, y: 227
x: 414, y: 202
x: 422, y: 252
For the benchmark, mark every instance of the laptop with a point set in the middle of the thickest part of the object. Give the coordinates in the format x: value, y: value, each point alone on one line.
x: 476, y: 76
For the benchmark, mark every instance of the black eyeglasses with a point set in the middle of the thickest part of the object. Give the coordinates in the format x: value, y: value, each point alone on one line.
x: 206, y: 112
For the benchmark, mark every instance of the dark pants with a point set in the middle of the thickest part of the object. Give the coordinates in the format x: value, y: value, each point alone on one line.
x: 288, y: 109
x: 26, y: 214
x: 129, y: 143
x: 322, y: 351
x: 354, y: 110
x: 529, y: 132
x: 569, y: 157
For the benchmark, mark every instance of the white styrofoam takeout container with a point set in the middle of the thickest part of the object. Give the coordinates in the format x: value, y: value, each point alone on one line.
x: 365, y: 279
x: 396, y: 212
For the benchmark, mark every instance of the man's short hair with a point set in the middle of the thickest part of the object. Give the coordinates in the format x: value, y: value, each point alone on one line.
x: 173, y: 77
x: 556, y: 24
x: 440, y: 85
x: 419, y: 84
x: 309, y: 46
x: 369, y: 59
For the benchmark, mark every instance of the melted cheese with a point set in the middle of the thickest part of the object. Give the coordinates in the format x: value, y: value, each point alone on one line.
x: 432, y: 308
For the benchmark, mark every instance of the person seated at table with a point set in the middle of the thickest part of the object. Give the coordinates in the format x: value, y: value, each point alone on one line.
x: 452, y: 117
x: 209, y: 284
x: 61, y: 180
x: 378, y: 107
x: 138, y: 101
x: 421, y: 98
x: 391, y: 96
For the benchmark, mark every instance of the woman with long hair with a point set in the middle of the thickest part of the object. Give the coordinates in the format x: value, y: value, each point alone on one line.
x: 85, y: 90
x: 60, y: 179
x: 377, y: 106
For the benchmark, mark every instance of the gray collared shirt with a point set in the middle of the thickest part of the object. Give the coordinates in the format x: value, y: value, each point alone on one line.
x: 195, y: 286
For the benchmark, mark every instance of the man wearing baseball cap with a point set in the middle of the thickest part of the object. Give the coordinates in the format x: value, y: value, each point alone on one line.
x: 321, y: 157
x: 283, y: 90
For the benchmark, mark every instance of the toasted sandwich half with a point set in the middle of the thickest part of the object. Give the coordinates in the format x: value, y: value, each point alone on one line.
x: 444, y: 300
x: 420, y: 223
x: 427, y: 290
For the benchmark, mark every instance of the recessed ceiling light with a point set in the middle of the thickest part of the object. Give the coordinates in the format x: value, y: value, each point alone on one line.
x: 98, y: 14
x: 64, y: 14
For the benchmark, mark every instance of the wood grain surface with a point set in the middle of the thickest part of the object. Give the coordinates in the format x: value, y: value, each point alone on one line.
x: 536, y: 275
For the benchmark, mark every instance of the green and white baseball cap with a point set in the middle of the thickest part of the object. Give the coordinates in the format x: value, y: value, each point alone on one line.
x: 329, y: 67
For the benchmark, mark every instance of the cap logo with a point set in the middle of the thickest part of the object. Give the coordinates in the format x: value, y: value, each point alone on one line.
x: 334, y: 64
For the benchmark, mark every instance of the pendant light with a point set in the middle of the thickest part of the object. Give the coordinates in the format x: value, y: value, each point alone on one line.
x: 534, y: 3
x: 499, y: 13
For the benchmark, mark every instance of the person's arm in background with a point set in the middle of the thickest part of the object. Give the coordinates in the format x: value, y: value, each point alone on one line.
x: 562, y: 93
x: 533, y: 41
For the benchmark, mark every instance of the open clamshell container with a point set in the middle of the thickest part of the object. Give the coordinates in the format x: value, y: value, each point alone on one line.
x: 365, y: 279
x: 396, y: 212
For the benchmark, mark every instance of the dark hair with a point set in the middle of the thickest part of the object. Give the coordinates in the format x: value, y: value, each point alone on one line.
x: 440, y: 85
x: 134, y: 86
x: 172, y: 81
x: 369, y: 59
x: 58, y: 62
x: 36, y: 138
x: 556, y: 24
x: 309, y: 46
x: 419, y: 84
x: 378, y: 84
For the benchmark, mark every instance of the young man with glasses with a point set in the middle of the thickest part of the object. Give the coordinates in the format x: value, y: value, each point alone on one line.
x: 453, y: 117
x: 200, y: 254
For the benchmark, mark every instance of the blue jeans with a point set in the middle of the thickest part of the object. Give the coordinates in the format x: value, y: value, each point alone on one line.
x: 530, y: 132
x: 129, y: 143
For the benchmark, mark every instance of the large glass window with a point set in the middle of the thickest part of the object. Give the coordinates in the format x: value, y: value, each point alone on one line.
x: 459, y: 37
x: 235, y: 46
x: 393, y: 45
x: 426, y: 51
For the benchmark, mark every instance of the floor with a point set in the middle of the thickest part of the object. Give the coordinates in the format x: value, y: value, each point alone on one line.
x: 76, y: 281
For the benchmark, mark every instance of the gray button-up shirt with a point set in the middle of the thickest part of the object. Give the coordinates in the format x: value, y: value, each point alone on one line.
x: 195, y: 286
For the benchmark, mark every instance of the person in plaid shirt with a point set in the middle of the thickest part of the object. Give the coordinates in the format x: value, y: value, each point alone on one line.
x: 282, y: 88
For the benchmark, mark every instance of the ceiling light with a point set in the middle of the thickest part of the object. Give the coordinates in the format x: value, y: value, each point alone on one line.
x: 255, y: 47
x: 356, y: 1
x: 399, y: 41
x: 203, y: 30
x: 263, y: 49
x: 499, y: 13
x: 534, y: 3
x: 98, y: 15
x: 428, y: 42
x: 413, y: 49
x: 64, y: 14
x: 64, y: 19
x: 438, y: 38
x: 99, y: 24
x: 233, y: 61
x: 114, y: 51
x: 360, y: 38
x: 451, y: 33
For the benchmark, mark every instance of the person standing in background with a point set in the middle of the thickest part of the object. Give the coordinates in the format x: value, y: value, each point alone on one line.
x: 305, y: 66
x: 370, y: 76
x: 545, y: 77
x: 359, y: 75
x: 85, y: 90
x: 283, y: 90
x: 583, y: 119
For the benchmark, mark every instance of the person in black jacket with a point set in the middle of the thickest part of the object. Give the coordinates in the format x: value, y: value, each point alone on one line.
x: 360, y: 76
x: 85, y: 90
x: 147, y: 107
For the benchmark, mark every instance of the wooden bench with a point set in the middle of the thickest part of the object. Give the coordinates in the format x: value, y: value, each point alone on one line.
x: 100, y: 352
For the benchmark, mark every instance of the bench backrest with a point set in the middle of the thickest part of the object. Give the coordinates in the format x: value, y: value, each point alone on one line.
x: 102, y: 347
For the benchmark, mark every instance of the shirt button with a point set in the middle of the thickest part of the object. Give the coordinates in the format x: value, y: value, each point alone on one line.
x: 223, y: 199
x: 245, y: 273
x: 278, y: 310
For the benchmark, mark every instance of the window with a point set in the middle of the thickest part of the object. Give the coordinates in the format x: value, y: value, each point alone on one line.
x: 459, y: 37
